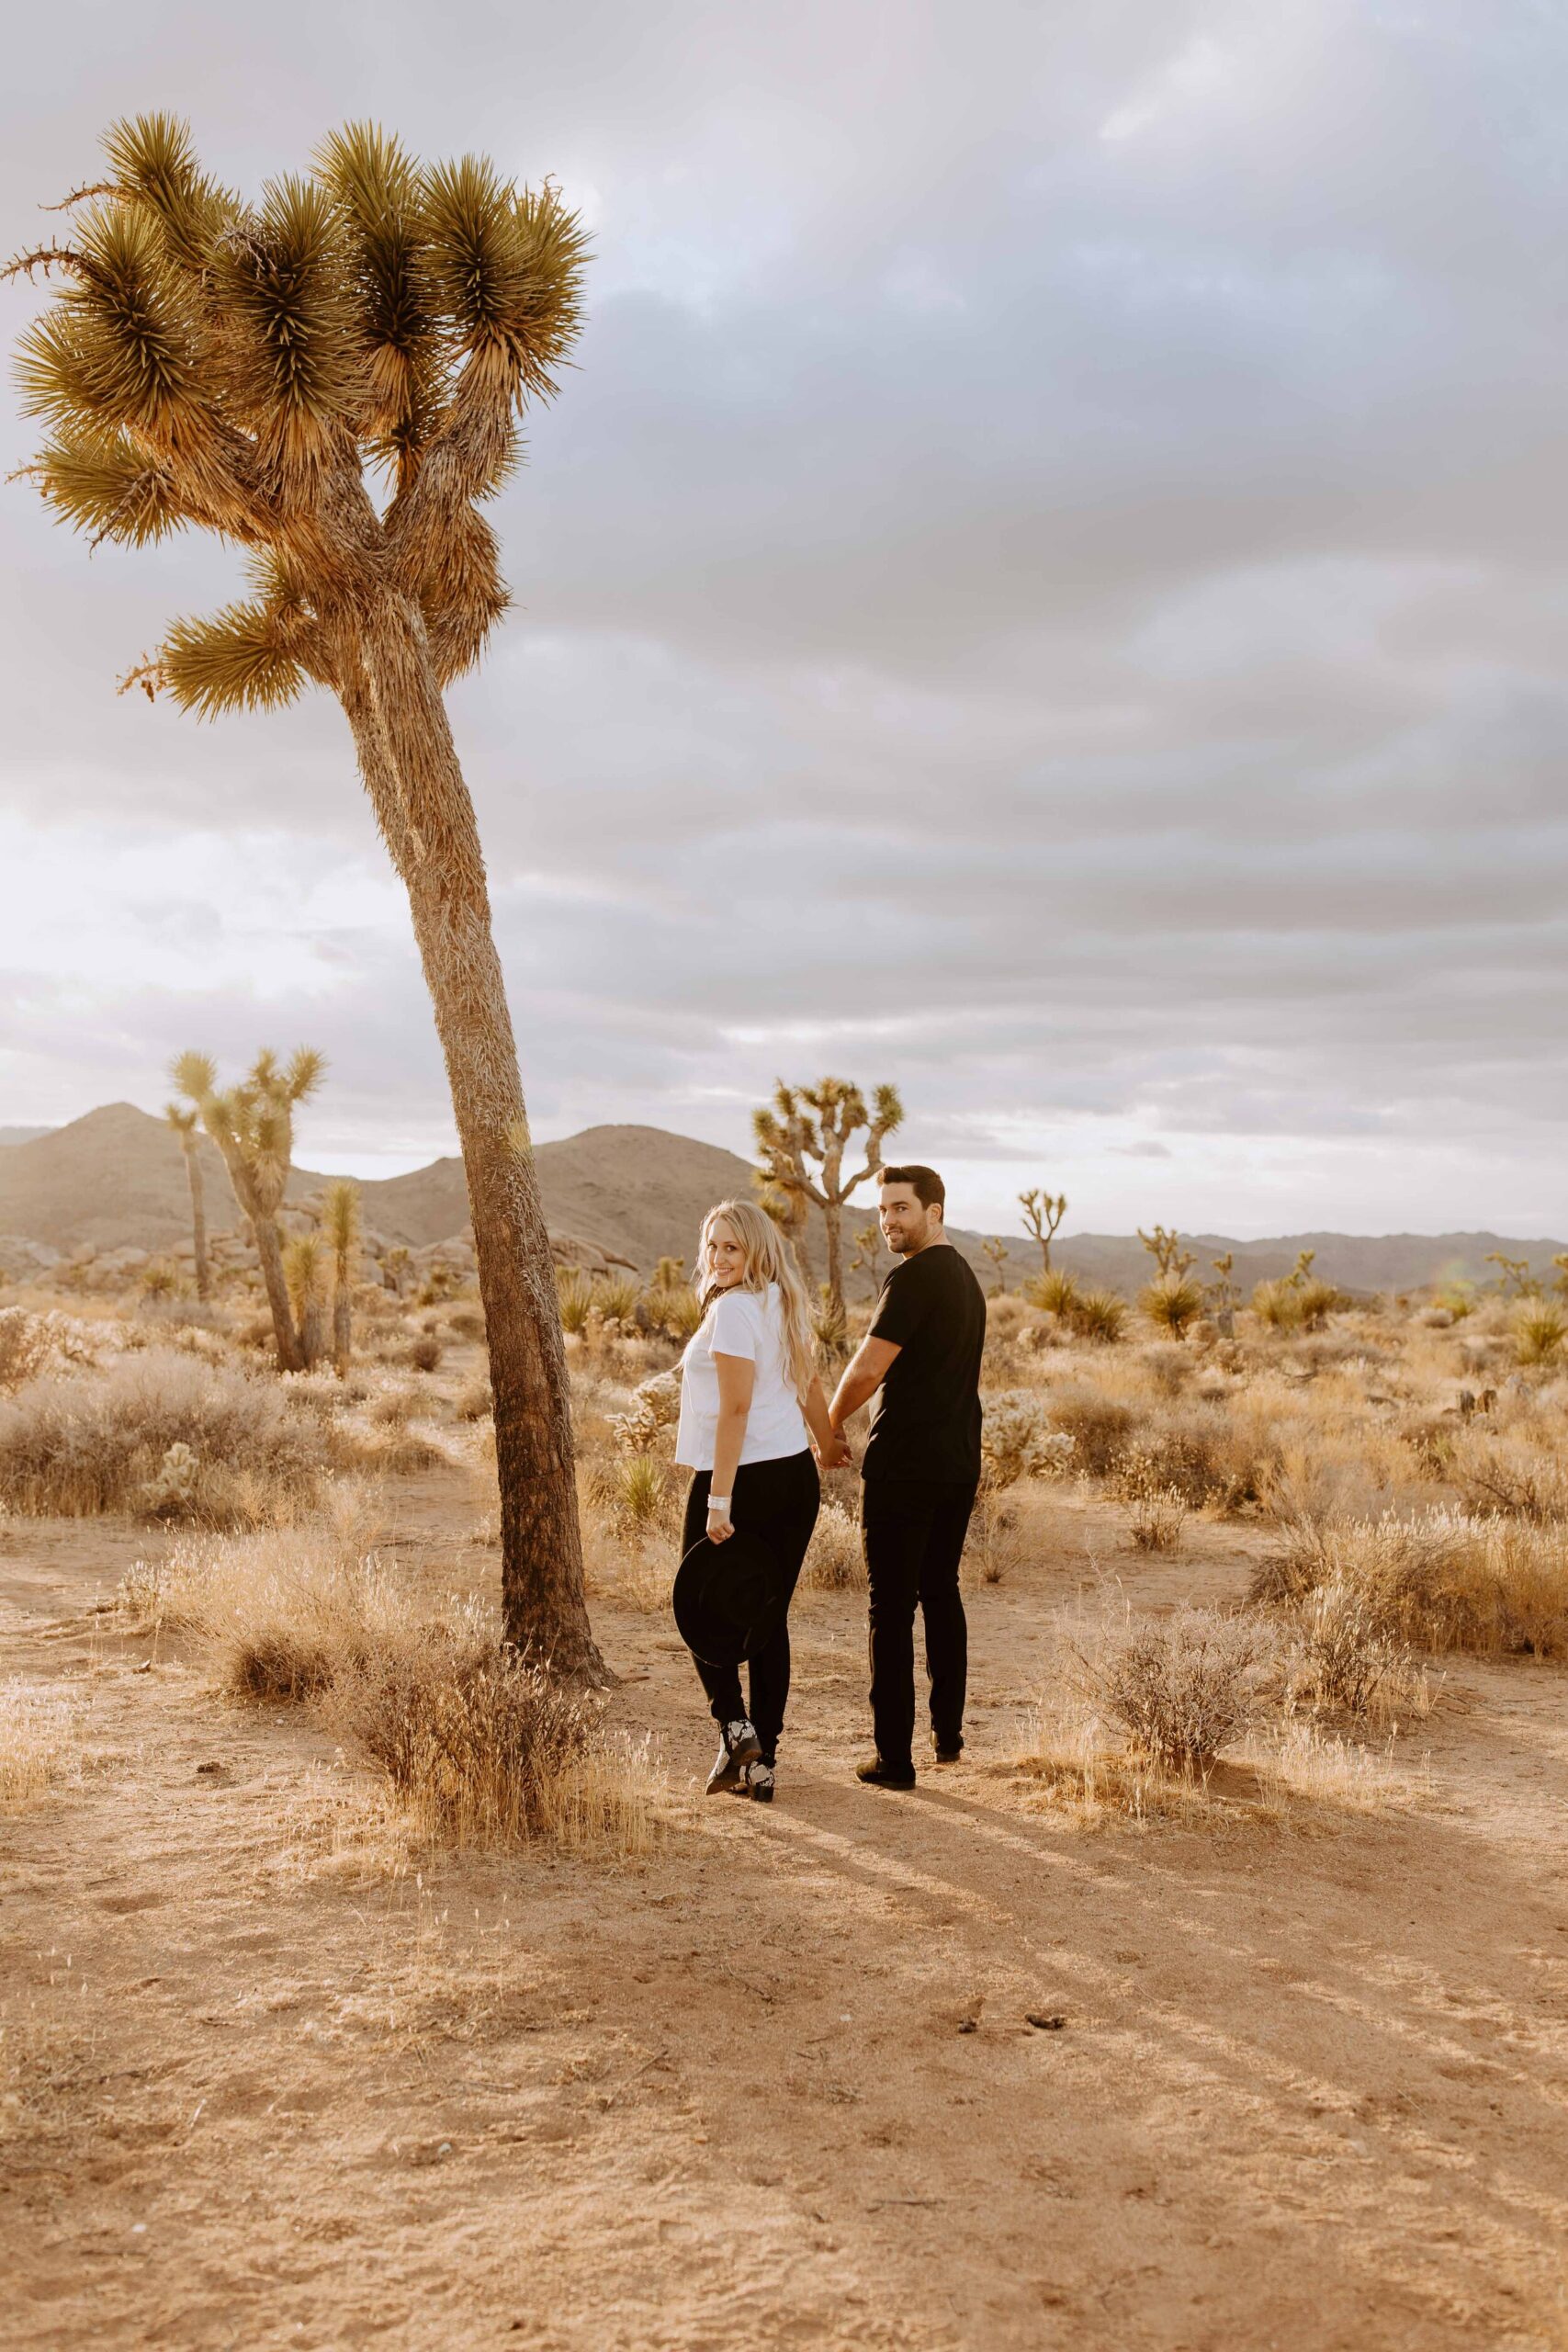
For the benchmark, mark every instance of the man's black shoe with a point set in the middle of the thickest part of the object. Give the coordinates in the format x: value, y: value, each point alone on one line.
x: 948, y: 1755
x: 878, y: 1775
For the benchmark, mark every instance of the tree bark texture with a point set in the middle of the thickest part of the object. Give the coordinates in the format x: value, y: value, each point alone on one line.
x: 270, y: 1255
x: 342, y: 1324
x: 410, y: 770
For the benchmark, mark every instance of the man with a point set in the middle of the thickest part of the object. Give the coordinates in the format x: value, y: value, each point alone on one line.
x: 921, y: 1468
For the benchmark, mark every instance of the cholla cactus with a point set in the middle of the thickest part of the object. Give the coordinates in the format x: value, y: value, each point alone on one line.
x: 1016, y: 1440
x: 171, y: 1493
x: 655, y: 1406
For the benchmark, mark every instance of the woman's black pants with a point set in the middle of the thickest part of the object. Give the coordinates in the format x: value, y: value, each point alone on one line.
x: 777, y: 1502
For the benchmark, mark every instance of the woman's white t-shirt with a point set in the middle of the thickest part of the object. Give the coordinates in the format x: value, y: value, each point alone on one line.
x: 740, y: 1323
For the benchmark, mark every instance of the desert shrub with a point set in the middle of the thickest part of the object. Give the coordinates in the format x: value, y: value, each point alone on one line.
x: 1441, y: 1581
x: 423, y: 1353
x: 467, y: 1322
x: 39, y: 1742
x: 1279, y: 1306
x: 1169, y: 1366
x: 1182, y: 1689
x: 1198, y: 1453
x: 1540, y: 1328
x: 1056, y: 1292
x: 1156, y: 1517
x: 1100, y: 1425
x: 29, y: 1341
x: 1347, y: 1658
x: 1174, y: 1303
x: 672, y: 1308
x: 576, y: 1302
x: 1016, y: 1440
x: 835, y: 1561
x: 159, y: 1279
x: 1505, y: 1474
x: 97, y: 1442
x: 475, y: 1399
x: 638, y: 1495
x: 614, y: 1297
x: 1318, y: 1300
x: 1005, y: 1315
x: 1099, y: 1316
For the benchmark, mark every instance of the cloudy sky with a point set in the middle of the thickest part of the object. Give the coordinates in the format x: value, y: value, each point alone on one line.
x: 1049, y: 585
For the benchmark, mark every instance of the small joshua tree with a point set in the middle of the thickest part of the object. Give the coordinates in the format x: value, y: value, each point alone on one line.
x: 252, y: 1126
x: 1042, y: 1216
x: 1167, y: 1251
x: 995, y: 1251
x: 339, y: 1222
x: 868, y: 1252
x: 305, y: 1272
x: 182, y: 1118
x: 807, y: 1124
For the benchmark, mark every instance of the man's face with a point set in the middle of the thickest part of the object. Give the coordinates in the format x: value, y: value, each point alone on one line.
x: 906, y: 1226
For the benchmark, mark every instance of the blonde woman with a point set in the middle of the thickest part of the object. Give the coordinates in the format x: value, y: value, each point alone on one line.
x: 753, y: 1411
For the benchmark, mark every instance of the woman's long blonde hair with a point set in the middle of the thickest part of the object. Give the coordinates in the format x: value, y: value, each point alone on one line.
x: 769, y: 1259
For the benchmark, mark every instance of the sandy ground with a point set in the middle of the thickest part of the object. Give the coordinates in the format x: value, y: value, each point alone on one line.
x: 776, y: 2087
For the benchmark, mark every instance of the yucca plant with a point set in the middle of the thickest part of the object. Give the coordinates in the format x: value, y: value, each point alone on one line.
x: 252, y: 1126
x: 340, y: 1223
x: 1174, y: 1302
x: 575, y: 1302
x: 1540, y: 1328
x: 332, y: 378
x: 182, y: 1119
x: 1100, y: 1315
x: 1056, y: 1292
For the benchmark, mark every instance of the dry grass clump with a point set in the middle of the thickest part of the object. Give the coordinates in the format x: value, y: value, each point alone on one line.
x: 835, y: 1561
x: 483, y: 1749
x: 1520, y: 1474
x: 1347, y: 1662
x: 1181, y: 1689
x: 39, y: 1742
x: 1441, y: 1581
x: 102, y: 1440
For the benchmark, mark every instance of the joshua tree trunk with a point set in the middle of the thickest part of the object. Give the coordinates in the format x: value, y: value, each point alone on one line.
x: 343, y: 1326
x: 422, y: 807
x: 313, y: 1329
x: 198, y: 1220
x: 269, y: 1251
x: 832, y: 1218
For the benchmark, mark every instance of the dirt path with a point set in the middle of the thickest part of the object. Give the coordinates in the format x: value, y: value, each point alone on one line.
x: 1312, y: 2089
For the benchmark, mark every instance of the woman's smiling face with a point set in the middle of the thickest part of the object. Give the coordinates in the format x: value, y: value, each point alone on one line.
x: 727, y: 1258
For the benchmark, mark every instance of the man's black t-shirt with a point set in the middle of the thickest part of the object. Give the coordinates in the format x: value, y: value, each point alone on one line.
x: 928, y: 1423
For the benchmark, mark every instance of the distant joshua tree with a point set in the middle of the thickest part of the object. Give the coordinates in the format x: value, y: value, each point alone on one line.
x: 995, y: 1251
x: 809, y: 1124
x: 340, y: 1221
x: 868, y: 1252
x: 791, y: 1211
x: 1167, y: 1251
x: 252, y: 1126
x: 183, y: 1118
x: 1042, y: 1216
x: 332, y: 379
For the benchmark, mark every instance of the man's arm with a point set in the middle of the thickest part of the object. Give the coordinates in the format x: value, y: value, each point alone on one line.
x: 863, y: 1376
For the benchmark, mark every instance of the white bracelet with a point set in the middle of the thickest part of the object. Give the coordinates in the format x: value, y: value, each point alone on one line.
x: 719, y: 1502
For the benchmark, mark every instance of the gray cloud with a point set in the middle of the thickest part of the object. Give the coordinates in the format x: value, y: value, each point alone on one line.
x: 1042, y: 587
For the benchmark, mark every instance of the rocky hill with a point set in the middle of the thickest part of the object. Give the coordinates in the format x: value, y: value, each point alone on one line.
x: 117, y: 1178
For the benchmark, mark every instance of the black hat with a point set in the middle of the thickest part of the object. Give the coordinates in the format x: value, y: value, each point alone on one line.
x: 731, y: 1597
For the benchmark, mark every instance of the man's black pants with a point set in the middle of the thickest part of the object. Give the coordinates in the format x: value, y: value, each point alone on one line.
x: 914, y: 1531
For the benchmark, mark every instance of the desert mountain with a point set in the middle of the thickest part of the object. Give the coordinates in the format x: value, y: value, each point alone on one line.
x: 20, y: 1135
x: 117, y: 1176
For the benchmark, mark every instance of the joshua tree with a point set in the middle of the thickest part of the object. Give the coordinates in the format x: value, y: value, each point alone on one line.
x: 815, y: 1123
x: 868, y: 1251
x: 304, y: 1270
x: 791, y: 1211
x: 332, y: 378
x: 341, y: 1222
x: 1167, y: 1251
x: 1042, y: 1216
x: 183, y: 1120
x: 252, y: 1126
x: 995, y: 1251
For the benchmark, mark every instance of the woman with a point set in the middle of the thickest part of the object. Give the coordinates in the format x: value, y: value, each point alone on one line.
x: 749, y: 1388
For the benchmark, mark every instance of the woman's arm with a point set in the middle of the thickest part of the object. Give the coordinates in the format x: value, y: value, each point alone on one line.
x: 829, y: 1446
x: 737, y: 1378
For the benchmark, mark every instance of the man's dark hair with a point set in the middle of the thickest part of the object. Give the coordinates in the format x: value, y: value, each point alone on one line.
x: 924, y: 1183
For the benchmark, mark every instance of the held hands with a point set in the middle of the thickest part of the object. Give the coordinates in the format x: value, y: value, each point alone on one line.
x: 835, y: 1455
